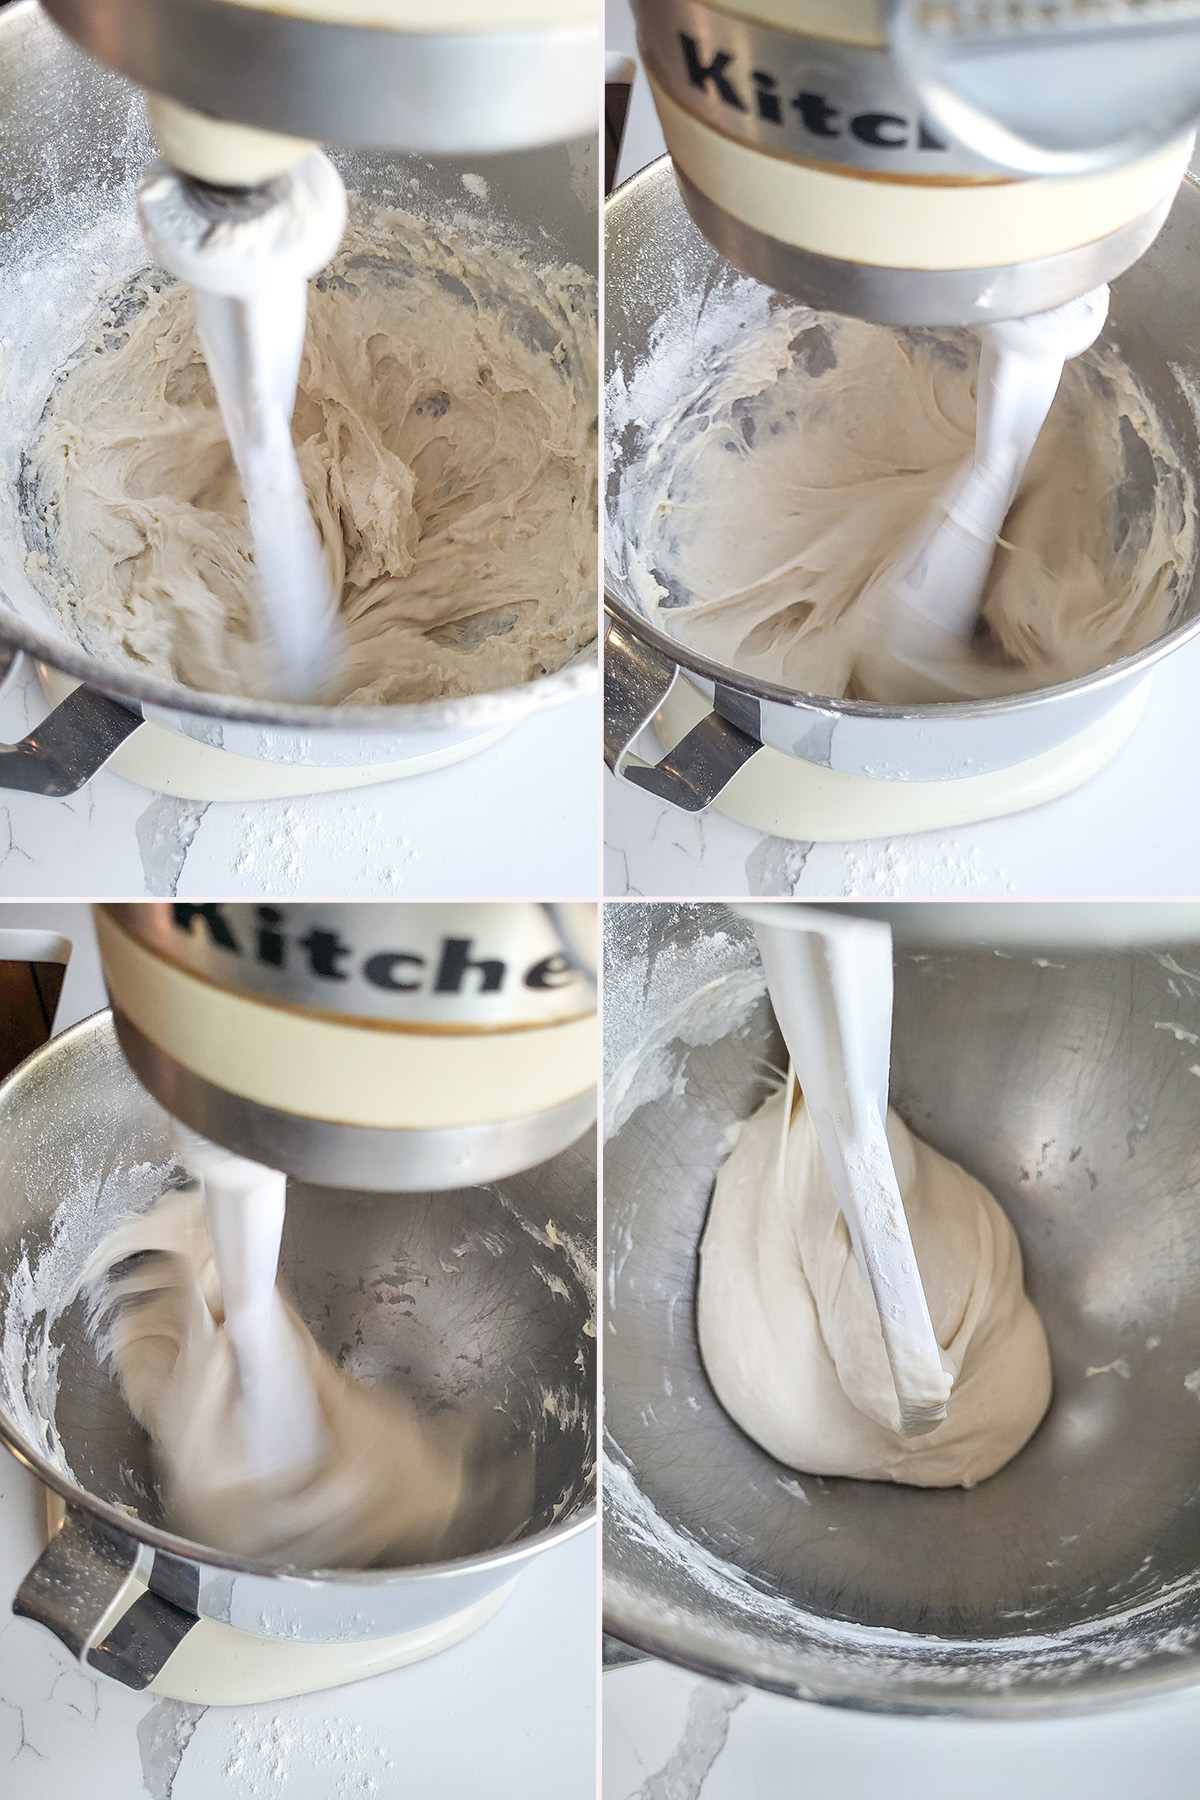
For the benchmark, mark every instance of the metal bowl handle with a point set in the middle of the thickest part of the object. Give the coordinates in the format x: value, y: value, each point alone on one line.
x: 637, y: 679
x: 71, y: 744
x: 76, y: 1589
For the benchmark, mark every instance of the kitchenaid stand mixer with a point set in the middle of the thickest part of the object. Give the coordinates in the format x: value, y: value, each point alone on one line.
x: 910, y: 166
x: 458, y: 1050
x: 238, y: 95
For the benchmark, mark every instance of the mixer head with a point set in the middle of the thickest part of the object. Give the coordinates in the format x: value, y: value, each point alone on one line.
x: 387, y: 1047
x: 919, y: 163
x: 241, y: 89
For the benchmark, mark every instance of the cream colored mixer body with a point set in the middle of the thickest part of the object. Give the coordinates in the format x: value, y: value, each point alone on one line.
x: 828, y: 149
x: 387, y: 1047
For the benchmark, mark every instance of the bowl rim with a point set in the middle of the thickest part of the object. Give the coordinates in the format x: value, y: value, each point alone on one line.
x: 159, y: 1538
x: 494, y: 706
x: 753, y: 687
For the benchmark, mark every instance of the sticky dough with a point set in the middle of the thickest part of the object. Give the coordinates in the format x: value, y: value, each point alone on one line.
x: 789, y: 1333
x: 394, y: 1487
x: 446, y: 431
x: 774, y: 488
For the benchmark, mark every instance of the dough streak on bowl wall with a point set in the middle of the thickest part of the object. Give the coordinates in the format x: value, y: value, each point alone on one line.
x: 445, y: 425
x: 765, y: 459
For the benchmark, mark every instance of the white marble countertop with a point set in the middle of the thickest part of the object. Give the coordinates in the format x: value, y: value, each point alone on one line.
x: 670, y: 1735
x: 1128, y: 831
x: 508, y: 1714
x: 520, y: 818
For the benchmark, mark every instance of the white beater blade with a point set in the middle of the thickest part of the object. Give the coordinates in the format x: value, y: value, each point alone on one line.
x: 281, y: 1427
x: 248, y: 263
x: 830, y: 982
x: 927, y: 598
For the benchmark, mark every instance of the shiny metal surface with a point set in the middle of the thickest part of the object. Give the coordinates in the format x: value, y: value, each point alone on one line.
x: 870, y: 110
x: 860, y: 110
x: 71, y: 744
x: 73, y: 142
x: 1064, y: 1079
x: 466, y: 1299
x: 949, y: 89
x: 78, y: 1577
x: 922, y: 296
x: 477, y: 965
x: 655, y: 257
x: 637, y: 681
x: 349, y: 85
x: 467, y: 968
x: 1054, y: 87
x: 332, y: 1154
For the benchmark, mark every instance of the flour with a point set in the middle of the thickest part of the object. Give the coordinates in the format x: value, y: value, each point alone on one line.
x: 46, y: 1281
x: 763, y: 1633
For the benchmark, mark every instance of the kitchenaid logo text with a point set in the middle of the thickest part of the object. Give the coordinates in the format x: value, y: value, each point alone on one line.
x: 760, y: 92
x: 453, y: 969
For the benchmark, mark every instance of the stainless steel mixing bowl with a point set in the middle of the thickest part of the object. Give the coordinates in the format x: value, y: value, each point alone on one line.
x: 657, y: 261
x: 465, y: 1299
x: 1069, y: 1083
x: 73, y: 143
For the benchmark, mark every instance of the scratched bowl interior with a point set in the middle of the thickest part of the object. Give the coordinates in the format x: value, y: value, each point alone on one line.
x: 1069, y: 1083
x: 670, y: 321
x: 74, y: 142
x: 464, y: 1300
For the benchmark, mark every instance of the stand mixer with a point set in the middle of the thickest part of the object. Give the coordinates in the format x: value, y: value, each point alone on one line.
x: 238, y: 96
x: 912, y: 166
x: 418, y: 1051
x: 373, y: 1046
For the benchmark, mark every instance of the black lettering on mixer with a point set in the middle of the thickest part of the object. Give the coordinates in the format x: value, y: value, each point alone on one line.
x: 329, y: 957
x: 456, y: 960
x: 383, y: 970
x: 212, y: 916
x: 820, y: 116
x: 272, y: 945
x: 817, y: 114
x: 701, y: 73
x: 869, y: 128
x: 325, y: 951
x: 554, y: 971
x: 768, y: 100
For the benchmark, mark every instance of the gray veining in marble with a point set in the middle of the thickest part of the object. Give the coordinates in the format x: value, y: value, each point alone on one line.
x: 163, y: 1735
x: 165, y: 832
x: 711, y: 1705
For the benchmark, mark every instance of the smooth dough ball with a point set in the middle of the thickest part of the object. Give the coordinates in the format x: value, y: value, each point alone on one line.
x: 790, y: 1336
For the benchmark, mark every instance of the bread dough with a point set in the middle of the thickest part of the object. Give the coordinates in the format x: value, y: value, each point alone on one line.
x: 445, y: 427
x: 790, y: 1336
x: 393, y: 1488
x: 807, y: 449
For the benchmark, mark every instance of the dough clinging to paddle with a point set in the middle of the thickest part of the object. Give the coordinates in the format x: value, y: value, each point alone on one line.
x: 393, y: 1487
x: 789, y: 1333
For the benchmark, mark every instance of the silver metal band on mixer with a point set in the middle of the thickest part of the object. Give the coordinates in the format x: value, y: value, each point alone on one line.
x: 349, y: 85
x: 889, y: 296
x: 791, y: 94
x: 419, y: 1047
x: 819, y: 167
x: 333, y: 1154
